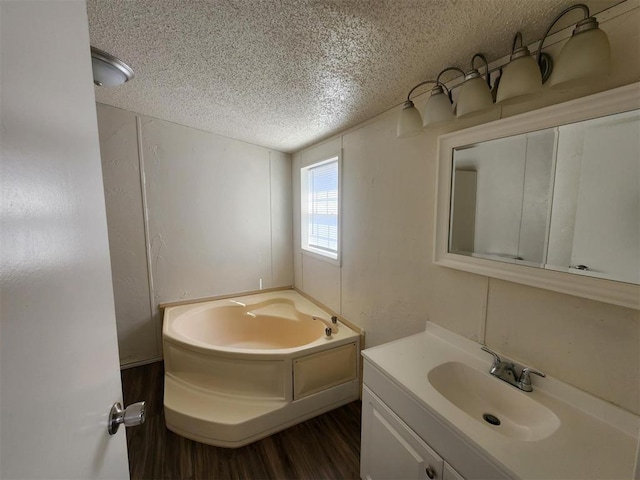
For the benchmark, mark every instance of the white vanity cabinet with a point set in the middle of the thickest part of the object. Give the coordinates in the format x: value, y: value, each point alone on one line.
x: 421, y: 423
x: 401, y: 440
x: 391, y: 450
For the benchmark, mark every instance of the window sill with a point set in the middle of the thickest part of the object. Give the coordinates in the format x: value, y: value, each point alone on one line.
x: 311, y: 253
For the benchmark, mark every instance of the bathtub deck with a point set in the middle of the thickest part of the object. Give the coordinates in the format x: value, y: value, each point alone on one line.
x: 326, y: 447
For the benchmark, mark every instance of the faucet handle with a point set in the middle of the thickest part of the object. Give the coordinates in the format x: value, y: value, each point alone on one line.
x: 524, y: 383
x: 524, y: 376
x: 496, y: 357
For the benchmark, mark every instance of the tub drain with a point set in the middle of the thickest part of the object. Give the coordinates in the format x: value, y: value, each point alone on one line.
x: 492, y: 419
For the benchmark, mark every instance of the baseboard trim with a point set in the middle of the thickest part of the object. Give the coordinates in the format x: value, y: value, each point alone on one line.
x: 140, y: 363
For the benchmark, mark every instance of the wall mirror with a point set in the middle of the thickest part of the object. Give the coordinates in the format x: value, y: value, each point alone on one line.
x: 550, y: 198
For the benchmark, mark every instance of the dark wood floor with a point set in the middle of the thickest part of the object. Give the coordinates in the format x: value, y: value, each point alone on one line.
x: 325, y: 447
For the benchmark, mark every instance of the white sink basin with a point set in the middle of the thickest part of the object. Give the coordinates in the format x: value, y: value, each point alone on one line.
x: 478, y: 394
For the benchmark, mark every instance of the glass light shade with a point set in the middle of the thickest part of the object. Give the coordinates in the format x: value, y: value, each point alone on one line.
x: 474, y: 96
x: 438, y: 109
x: 585, y: 55
x: 109, y: 71
x: 410, y: 121
x: 521, y: 79
x: 107, y: 75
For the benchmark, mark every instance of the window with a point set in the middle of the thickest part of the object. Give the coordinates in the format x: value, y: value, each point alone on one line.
x: 320, y: 208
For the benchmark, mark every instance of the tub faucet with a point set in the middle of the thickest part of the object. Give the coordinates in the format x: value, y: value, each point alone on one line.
x: 506, y: 371
x: 330, y: 327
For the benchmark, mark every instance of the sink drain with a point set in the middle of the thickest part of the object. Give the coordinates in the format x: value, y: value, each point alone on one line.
x: 492, y: 419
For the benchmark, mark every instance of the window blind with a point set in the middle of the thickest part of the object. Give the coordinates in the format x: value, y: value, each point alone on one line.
x: 323, y: 206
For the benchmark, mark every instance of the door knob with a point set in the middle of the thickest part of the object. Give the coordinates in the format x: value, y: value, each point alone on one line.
x: 134, y: 414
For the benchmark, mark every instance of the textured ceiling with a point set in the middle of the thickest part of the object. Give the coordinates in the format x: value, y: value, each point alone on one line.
x: 285, y: 74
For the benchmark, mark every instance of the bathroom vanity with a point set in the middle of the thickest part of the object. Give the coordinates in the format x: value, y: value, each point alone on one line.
x: 422, y: 418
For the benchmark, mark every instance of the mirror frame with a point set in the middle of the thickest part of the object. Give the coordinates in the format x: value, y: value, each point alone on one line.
x: 610, y: 102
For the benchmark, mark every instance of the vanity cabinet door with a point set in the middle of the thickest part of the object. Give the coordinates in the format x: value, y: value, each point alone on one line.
x: 390, y: 449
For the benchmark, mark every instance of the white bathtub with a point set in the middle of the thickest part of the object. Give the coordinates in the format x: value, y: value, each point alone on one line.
x: 239, y: 369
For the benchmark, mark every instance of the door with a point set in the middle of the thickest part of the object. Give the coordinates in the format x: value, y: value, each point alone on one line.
x: 59, y: 370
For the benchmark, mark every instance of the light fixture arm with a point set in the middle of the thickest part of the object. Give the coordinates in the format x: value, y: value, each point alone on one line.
x: 419, y: 85
x: 587, y: 23
x: 522, y: 50
x: 447, y: 70
x: 456, y: 69
x: 486, y: 64
x: 437, y: 80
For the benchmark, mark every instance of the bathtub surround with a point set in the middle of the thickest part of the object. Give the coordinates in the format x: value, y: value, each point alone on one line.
x: 163, y: 306
x: 389, y: 286
x: 349, y: 324
x: 191, y: 214
x: 242, y: 368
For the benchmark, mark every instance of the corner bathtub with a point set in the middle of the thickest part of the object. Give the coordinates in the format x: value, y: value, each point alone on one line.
x: 239, y: 369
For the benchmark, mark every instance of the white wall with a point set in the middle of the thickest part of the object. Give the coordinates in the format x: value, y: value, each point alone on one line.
x: 388, y: 284
x: 137, y: 335
x: 218, y: 219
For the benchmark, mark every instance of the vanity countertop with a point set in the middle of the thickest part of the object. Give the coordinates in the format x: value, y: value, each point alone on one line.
x: 594, y: 439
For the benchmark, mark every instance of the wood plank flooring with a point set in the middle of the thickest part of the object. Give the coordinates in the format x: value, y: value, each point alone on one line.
x: 325, y: 447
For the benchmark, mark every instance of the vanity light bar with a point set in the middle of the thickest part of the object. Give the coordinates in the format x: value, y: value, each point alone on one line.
x: 586, y: 54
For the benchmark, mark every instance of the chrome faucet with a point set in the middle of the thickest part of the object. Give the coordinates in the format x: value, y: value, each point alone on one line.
x: 506, y: 371
x: 330, y: 328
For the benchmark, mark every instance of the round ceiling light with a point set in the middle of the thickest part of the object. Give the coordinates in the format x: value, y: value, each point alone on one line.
x: 109, y: 71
